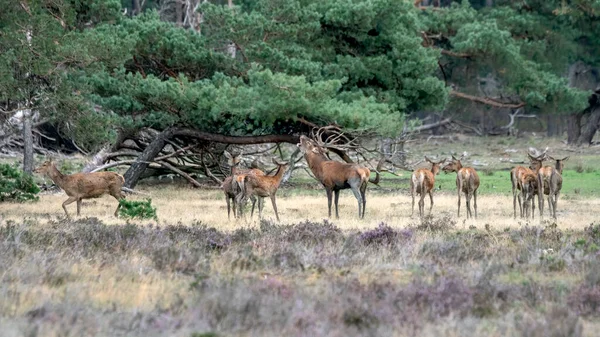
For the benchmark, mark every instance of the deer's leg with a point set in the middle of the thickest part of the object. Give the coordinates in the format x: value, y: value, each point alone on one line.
x: 421, y: 203
x: 78, y: 207
x: 261, y: 204
x: 329, y: 196
x: 475, y: 202
x: 459, y: 188
x: 412, y: 194
x: 555, y: 202
x: 254, y: 199
x: 228, y: 208
x: 67, y: 202
x: 514, y: 198
x: 356, y: 193
x: 363, y: 194
x: 274, y: 206
x: 336, y: 202
x: 541, y: 196
x: 431, y: 199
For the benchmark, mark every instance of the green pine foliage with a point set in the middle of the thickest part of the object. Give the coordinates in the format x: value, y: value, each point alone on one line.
x: 137, y: 209
x: 16, y: 185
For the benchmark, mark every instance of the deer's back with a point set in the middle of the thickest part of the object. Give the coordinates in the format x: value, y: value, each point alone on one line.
x: 470, y: 179
x: 422, y: 180
x: 334, y: 173
x: 518, y: 172
x: 92, y: 185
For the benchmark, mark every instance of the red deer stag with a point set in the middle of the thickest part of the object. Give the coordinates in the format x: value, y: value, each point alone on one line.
x: 467, y: 182
x: 336, y: 176
x: 421, y: 183
x: 262, y: 186
x: 80, y: 186
x: 549, y: 181
x: 232, y: 185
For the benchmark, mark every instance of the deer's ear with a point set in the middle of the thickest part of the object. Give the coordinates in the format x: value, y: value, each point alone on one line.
x: 565, y: 158
x: 227, y: 154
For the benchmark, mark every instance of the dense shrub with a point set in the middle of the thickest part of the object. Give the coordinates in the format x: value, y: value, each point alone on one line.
x: 137, y: 209
x: 431, y: 224
x: 311, y: 233
x: 16, y: 185
x: 382, y: 235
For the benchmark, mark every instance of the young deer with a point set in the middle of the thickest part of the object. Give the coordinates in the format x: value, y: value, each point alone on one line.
x: 262, y: 186
x: 467, y: 182
x: 528, y: 186
x: 421, y: 183
x: 549, y: 181
x: 232, y: 185
x: 80, y: 186
x: 516, y: 175
x: 336, y: 176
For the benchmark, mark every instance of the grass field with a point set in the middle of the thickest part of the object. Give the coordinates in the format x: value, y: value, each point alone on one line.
x: 193, y: 272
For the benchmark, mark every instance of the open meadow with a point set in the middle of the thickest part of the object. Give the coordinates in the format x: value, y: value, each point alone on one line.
x: 194, y: 272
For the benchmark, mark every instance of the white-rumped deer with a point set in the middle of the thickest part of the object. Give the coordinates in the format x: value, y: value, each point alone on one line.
x: 516, y: 175
x: 467, y: 182
x: 80, y: 186
x: 422, y: 182
x: 336, y: 176
x: 528, y: 185
x: 549, y: 180
x: 262, y: 186
x: 232, y: 186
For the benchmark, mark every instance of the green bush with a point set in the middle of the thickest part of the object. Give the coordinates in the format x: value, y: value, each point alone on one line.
x: 137, y: 209
x: 15, y: 185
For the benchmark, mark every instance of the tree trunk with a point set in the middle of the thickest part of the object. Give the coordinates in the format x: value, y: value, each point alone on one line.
x: 27, y: 142
x: 135, y: 171
x: 589, y: 128
x: 178, y: 13
x: 574, y: 127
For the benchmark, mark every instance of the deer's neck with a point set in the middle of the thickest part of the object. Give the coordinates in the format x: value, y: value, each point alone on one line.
x: 279, y: 175
x: 57, y: 177
x: 435, y: 169
x: 314, y: 162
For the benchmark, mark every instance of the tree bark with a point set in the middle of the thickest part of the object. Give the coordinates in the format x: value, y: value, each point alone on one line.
x: 583, y: 125
x: 150, y: 152
x: 574, y: 127
x: 589, y: 128
x: 27, y: 142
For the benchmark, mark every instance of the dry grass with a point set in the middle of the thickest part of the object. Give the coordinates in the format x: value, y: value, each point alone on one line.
x: 188, y: 205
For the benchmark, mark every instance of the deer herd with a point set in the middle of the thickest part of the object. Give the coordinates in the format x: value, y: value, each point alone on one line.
x: 243, y: 184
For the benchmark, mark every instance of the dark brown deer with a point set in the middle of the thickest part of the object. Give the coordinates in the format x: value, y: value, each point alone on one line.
x: 516, y: 175
x: 467, y: 182
x: 81, y: 186
x: 232, y: 185
x: 549, y: 180
x: 262, y: 186
x: 422, y: 182
x: 528, y: 186
x: 336, y: 176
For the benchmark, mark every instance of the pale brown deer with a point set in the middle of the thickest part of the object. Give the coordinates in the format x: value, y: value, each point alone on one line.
x: 549, y: 180
x: 81, y: 186
x: 335, y: 175
x: 422, y: 182
x: 467, y: 182
x: 516, y: 175
x: 528, y: 186
x: 262, y: 186
x: 232, y: 185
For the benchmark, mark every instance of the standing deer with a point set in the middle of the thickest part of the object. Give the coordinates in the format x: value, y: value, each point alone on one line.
x: 467, y: 182
x: 232, y: 185
x: 528, y: 185
x: 80, y: 186
x: 549, y: 180
x: 516, y: 175
x: 336, y: 176
x: 262, y: 186
x: 422, y: 182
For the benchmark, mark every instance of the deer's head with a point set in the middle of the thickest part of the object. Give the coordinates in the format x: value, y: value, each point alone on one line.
x: 559, y: 163
x: 308, y: 146
x: 232, y: 160
x: 535, y: 162
x: 453, y: 166
x: 435, y: 166
x: 45, y: 167
x: 283, y: 165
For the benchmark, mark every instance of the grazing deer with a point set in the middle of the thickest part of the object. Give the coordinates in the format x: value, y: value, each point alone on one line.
x: 336, y: 176
x: 232, y: 185
x: 421, y: 183
x: 467, y: 182
x: 262, y: 186
x: 80, y: 186
x: 549, y: 180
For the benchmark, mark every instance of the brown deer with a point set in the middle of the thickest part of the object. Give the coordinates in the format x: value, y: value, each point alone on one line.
x: 549, y: 181
x: 232, y: 185
x: 80, y: 186
x: 335, y: 175
x: 422, y: 182
x: 262, y: 186
x: 467, y: 182
x: 528, y: 186
x: 516, y: 175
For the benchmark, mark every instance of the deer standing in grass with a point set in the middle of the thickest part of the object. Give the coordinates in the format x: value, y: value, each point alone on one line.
x: 422, y: 182
x: 516, y: 176
x: 336, y: 176
x: 467, y: 182
x: 232, y: 185
x: 528, y: 185
x: 262, y: 186
x: 549, y: 180
x: 81, y: 186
